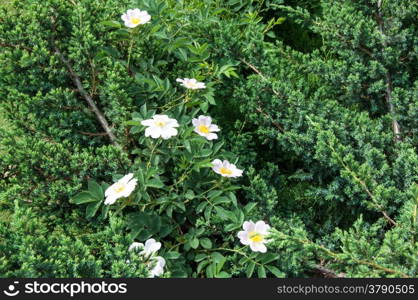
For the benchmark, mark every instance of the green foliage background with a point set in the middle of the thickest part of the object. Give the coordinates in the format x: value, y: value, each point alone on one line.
x: 301, y: 91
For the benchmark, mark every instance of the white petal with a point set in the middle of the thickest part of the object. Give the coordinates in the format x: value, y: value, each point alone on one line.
x: 211, y: 136
x: 169, y: 132
x: 125, y: 17
x: 145, y: 19
x: 136, y: 12
x: 160, y: 261
x: 214, y: 128
x: 207, y: 120
x: 151, y: 246
x: 154, y: 132
x: 172, y: 123
x: 258, y: 247
x: 129, y: 24
x: 248, y: 226
x: 195, y: 122
x: 261, y: 227
x: 217, y: 162
x: 130, y: 187
x: 149, y: 122
x: 243, y: 236
x: 126, y: 178
x: 226, y: 164
x: 136, y: 246
x: 109, y: 190
x: 111, y: 199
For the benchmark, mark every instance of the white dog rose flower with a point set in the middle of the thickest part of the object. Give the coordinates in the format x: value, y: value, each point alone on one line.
x: 160, y: 126
x: 135, y: 17
x: 204, y: 127
x: 191, y: 83
x: 122, y: 188
x: 225, y: 168
x: 254, y: 235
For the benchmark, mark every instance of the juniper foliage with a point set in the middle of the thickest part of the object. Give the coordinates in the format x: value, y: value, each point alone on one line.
x: 317, y: 99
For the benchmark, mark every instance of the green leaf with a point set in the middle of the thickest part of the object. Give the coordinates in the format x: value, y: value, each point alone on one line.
x: 250, y: 269
x: 204, y: 153
x: 206, y: 243
x: 223, y: 274
x: 269, y: 257
x: 194, y: 243
x: 155, y: 183
x: 172, y: 255
x: 111, y: 24
x: 224, y: 214
x: 200, y: 257
x: 95, y: 189
x: 214, y: 193
x: 261, y: 272
x: 92, y: 208
x: 140, y: 176
x: 249, y: 207
x: 276, y: 271
x: 218, y: 257
x: 201, y: 207
x: 208, y: 212
x: 187, y: 145
x: 83, y: 197
x: 132, y: 123
x: 221, y: 200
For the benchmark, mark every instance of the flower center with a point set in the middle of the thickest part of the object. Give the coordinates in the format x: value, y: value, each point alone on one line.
x: 135, y: 21
x: 203, y: 129
x: 191, y: 85
x: 256, y: 237
x: 225, y: 171
x: 119, y: 187
x: 159, y: 123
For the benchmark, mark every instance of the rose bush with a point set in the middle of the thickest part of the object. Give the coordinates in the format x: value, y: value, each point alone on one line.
x: 208, y: 138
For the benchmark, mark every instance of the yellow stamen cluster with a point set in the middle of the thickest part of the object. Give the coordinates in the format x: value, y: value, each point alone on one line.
x: 119, y: 188
x: 225, y: 171
x: 135, y: 21
x: 203, y: 129
x: 256, y: 237
x: 160, y: 123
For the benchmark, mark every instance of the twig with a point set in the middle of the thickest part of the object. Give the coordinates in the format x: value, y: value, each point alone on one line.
x: 86, y: 96
x: 252, y: 67
x: 93, y: 133
x: 277, y: 125
x: 328, y: 272
x: 15, y: 46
